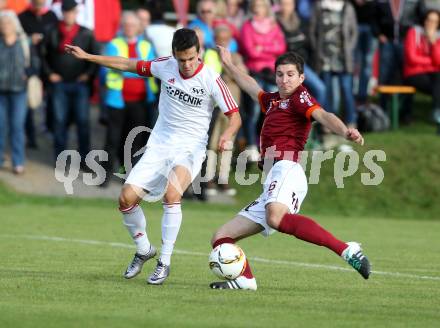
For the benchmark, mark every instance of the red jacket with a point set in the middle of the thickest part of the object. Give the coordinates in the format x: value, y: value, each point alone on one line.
x: 420, y: 56
x: 107, y: 16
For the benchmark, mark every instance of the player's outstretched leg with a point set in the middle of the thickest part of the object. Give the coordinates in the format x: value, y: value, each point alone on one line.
x: 245, y: 281
x: 135, y: 222
x: 308, y: 230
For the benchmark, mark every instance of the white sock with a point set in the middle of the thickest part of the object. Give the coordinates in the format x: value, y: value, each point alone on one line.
x: 171, y: 220
x: 135, y: 222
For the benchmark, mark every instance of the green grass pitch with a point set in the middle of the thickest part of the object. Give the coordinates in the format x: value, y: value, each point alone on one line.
x: 62, y: 264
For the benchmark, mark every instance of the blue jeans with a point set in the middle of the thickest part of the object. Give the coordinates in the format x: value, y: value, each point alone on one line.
x: 364, y: 53
x: 390, y: 62
x: 346, y: 86
x: 253, y: 113
x: 13, y: 109
x: 315, y: 85
x: 73, y: 96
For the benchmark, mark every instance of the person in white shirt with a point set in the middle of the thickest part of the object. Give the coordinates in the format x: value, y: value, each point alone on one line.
x: 176, y: 147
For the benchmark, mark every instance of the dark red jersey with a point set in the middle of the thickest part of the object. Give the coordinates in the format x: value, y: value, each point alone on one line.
x: 287, y: 123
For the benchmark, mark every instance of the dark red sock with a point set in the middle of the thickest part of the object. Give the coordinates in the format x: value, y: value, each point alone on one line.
x: 308, y: 230
x: 227, y: 240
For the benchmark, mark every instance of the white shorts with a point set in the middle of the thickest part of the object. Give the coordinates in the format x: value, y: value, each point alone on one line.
x: 285, y: 183
x: 152, y: 171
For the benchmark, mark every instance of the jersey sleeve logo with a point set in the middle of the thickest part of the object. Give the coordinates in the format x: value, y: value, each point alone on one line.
x: 172, y: 80
x: 304, y: 97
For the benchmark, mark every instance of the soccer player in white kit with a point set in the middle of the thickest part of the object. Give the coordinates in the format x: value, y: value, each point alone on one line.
x: 176, y: 147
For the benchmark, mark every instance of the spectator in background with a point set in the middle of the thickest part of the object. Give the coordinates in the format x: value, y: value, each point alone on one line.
x: 144, y: 17
x: 14, y: 59
x: 262, y: 42
x: 234, y: 13
x: 223, y: 36
x: 422, y: 59
x: 366, y: 45
x: 297, y: 41
x: 129, y: 97
x: 69, y: 79
x: 221, y: 18
x: 37, y: 21
x: 100, y: 16
x: 333, y: 36
x: 16, y: 5
x: 158, y: 32
x: 205, y: 19
x: 394, y: 18
x: 85, y: 11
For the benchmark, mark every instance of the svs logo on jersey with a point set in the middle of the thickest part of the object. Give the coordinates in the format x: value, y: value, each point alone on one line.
x: 198, y: 91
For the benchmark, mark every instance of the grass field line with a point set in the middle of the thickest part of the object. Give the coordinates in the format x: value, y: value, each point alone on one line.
x: 191, y: 253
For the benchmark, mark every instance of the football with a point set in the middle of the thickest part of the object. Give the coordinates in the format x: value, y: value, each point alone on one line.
x: 227, y: 261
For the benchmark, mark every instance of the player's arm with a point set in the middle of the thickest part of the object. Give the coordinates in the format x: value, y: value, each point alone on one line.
x: 244, y: 81
x: 114, y: 62
x: 332, y: 122
x: 225, y: 142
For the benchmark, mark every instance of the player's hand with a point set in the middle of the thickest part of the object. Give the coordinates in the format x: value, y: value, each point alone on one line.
x: 355, y: 136
x: 55, y: 78
x: 36, y: 38
x: 225, y: 55
x: 383, y: 38
x: 83, y: 78
x: 225, y: 143
x: 75, y: 51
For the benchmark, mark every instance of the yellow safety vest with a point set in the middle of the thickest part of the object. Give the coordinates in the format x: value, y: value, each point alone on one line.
x: 211, y: 58
x: 115, y: 79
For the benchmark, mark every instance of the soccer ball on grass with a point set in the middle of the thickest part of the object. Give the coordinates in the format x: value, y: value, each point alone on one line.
x: 227, y: 261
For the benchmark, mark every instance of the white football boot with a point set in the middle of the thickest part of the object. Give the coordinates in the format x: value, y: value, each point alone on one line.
x: 353, y: 255
x: 239, y: 283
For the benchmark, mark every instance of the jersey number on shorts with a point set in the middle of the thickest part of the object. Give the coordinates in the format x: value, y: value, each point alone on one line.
x: 272, y: 185
x: 294, y: 202
x: 250, y: 205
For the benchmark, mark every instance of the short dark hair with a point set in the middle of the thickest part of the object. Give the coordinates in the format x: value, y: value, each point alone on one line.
x: 184, y: 39
x: 291, y: 58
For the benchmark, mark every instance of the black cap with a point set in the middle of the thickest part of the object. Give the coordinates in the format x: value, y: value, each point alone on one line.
x: 68, y: 5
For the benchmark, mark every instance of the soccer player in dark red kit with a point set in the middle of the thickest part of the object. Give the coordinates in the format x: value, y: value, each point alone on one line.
x: 288, y: 117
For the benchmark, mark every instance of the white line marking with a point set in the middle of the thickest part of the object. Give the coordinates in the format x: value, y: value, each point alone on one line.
x: 256, y: 259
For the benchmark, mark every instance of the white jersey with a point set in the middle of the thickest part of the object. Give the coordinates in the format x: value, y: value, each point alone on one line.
x: 185, y: 104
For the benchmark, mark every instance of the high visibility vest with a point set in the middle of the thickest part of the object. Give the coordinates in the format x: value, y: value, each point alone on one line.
x: 211, y: 59
x: 114, y: 79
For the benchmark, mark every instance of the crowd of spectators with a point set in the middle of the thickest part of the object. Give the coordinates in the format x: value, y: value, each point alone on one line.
x: 337, y: 38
